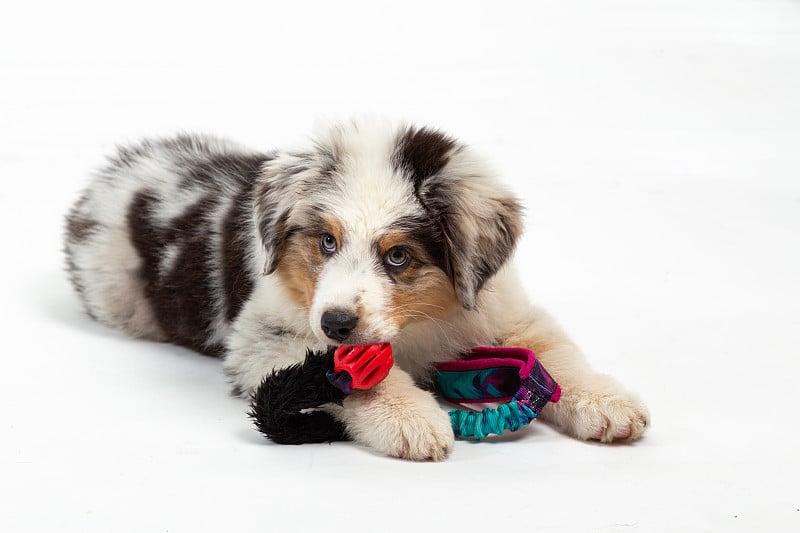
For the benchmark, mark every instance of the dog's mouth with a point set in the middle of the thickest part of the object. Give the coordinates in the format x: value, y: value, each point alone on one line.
x: 353, y: 340
x: 356, y: 337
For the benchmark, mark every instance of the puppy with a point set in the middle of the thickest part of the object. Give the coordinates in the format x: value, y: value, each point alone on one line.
x: 372, y: 233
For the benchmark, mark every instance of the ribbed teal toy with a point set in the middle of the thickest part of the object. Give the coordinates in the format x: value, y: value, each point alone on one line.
x: 509, y: 376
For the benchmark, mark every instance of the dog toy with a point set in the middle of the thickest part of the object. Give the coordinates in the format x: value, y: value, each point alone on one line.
x: 360, y: 367
x: 284, y: 406
x: 509, y: 376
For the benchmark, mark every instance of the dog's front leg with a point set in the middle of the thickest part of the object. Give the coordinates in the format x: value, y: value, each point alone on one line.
x: 399, y: 419
x: 395, y: 417
x: 593, y: 406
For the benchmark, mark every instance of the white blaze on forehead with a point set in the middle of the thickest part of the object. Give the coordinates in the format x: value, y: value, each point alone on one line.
x: 372, y: 199
x: 372, y: 194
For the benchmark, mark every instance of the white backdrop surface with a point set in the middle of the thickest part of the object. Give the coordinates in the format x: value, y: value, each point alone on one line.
x: 655, y: 145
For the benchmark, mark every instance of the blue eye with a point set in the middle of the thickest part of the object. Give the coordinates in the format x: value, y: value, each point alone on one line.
x: 396, y: 258
x: 327, y: 244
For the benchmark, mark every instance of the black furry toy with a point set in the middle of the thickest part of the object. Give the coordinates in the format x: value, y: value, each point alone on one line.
x: 283, y: 406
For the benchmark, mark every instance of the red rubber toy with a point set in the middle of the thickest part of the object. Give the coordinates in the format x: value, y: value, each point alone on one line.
x: 367, y: 364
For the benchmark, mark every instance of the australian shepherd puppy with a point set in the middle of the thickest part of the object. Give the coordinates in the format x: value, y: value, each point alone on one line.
x: 371, y: 233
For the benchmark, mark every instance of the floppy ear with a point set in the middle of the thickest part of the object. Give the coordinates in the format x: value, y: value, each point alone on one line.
x: 478, y: 218
x: 282, y: 184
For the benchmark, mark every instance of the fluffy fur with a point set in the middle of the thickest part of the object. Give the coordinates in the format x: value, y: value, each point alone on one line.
x: 284, y: 406
x: 203, y: 243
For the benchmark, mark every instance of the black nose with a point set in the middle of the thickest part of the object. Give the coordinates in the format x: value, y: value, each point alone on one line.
x: 338, y: 324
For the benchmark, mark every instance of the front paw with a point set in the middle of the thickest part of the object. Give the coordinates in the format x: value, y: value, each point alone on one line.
x: 599, y: 409
x: 409, y: 426
x: 418, y: 436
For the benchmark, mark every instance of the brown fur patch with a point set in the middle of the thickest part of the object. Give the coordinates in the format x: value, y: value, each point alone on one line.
x: 394, y: 238
x: 331, y: 225
x: 302, y: 261
x: 300, y: 266
x: 422, y: 291
x: 428, y: 295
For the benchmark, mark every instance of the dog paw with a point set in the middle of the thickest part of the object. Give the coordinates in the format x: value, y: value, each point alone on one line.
x: 600, y: 410
x: 407, y: 423
x: 419, y: 436
x: 611, y: 418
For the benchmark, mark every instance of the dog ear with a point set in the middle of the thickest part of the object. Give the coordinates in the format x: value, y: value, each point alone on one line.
x: 283, y: 183
x: 481, y: 223
x: 478, y: 219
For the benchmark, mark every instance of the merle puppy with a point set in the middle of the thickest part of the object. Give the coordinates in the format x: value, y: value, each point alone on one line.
x: 371, y: 233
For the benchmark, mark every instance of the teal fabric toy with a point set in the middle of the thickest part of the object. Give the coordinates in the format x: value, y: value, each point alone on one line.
x: 510, y: 376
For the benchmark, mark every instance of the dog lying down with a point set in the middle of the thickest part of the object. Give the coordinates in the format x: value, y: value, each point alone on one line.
x: 371, y: 233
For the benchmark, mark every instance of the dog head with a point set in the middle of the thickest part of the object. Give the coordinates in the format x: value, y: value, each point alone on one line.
x: 375, y: 227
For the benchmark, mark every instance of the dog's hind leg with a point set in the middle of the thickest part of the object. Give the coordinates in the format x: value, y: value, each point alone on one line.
x: 105, y: 270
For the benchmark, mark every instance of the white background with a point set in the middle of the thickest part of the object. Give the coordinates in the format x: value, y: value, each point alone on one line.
x: 655, y: 145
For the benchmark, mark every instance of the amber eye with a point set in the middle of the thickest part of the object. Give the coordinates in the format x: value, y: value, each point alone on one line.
x: 327, y: 244
x: 396, y: 258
